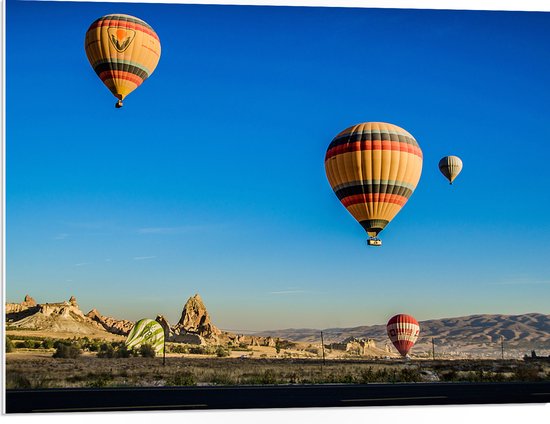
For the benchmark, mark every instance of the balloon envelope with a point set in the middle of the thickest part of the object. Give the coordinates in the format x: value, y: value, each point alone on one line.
x: 146, y: 331
x: 123, y: 50
x: 403, y: 332
x: 373, y: 169
x: 450, y: 167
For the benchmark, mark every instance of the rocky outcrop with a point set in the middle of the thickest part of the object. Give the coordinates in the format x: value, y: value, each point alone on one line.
x: 15, y: 311
x: 359, y: 346
x: 62, y: 309
x: 188, y: 338
x: 196, y: 320
x: 179, y: 335
x: 240, y: 339
x: 194, y: 327
x: 165, y: 325
x: 57, y: 317
x: 112, y: 325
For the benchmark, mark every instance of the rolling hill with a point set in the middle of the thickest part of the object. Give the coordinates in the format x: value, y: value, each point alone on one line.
x: 475, y: 335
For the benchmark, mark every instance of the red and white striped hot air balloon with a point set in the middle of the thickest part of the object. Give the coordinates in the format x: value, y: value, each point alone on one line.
x: 403, y: 331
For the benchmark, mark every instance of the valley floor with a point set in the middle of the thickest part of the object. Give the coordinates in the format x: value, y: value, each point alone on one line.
x: 37, y: 369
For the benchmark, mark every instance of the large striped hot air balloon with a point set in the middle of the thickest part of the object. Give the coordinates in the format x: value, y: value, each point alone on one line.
x: 403, y: 331
x: 146, y: 331
x: 373, y: 168
x: 450, y: 167
x: 124, y: 51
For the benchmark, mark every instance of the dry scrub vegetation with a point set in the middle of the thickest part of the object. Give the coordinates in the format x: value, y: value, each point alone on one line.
x: 25, y: 371
x: 36, y: 363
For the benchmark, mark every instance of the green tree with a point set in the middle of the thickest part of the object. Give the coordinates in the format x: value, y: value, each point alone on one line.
x: 9, y: 345
x: 47, y: 344
x: 67, y: 351
x: 184, y: 378
x: 29, y: 344
x: 221, y: 352
x: 106, y: 350
x: 123, y: 352
x: 147, y: 351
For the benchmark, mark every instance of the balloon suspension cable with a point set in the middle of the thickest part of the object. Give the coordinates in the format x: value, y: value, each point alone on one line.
x: 119, y: 104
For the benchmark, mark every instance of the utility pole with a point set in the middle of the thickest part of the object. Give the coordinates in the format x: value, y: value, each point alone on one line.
x: 323, y: 347
x: 433, y: 349
x: 502, y: 346
x: 166, y: 332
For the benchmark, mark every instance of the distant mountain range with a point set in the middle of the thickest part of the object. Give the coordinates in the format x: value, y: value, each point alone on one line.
x: 478, y: 335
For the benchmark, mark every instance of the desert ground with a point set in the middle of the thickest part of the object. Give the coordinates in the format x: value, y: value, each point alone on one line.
x: 38, y: 369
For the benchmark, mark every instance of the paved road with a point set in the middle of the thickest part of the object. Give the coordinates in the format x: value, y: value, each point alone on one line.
x: 241, y: 397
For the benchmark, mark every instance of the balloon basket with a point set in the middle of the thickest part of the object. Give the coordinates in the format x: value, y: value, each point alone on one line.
x: 374, y: 242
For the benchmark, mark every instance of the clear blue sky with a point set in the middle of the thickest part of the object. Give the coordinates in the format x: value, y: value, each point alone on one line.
x: 211, y: 178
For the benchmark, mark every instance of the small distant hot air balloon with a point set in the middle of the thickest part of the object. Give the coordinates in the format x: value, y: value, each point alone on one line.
x: 124, y: 51
x: 373, y: 169
x: 450, y: 167
x: 403, y: 331
x: 146, y: 331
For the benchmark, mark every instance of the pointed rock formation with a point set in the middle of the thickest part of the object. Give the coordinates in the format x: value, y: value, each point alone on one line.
x: 196, y: 320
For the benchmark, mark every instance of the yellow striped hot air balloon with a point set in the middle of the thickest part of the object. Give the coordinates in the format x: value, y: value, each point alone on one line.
x: 373, y: 168
x: 124, y: 51
x: 450, y: 167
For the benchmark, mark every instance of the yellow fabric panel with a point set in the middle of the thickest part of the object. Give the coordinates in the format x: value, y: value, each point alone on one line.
x: 361, y: 213
x: 364, y: 165
x: 144, y: 50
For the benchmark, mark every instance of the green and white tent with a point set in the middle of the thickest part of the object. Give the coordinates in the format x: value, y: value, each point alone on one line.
x: 146, y: 331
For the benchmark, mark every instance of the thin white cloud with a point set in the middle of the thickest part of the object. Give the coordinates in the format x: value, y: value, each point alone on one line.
x: 287, y: 292
x: 521, y: 282
x: 143, y: 258
x: 61, y: 236
x: 82, y: 264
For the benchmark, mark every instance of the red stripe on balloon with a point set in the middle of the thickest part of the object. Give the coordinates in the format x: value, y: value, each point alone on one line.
x: 373, y: 145
x: 403, y: 346
x: 123, y: 24
x: 374, y: 197
x: 120, y: 75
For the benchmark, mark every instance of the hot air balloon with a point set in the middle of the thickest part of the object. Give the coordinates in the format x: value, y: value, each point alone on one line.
x: 146, y: 331
x: 403, y: 331
x: 124, y: 51
x: 373, y: 169
x: 450, y: 167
